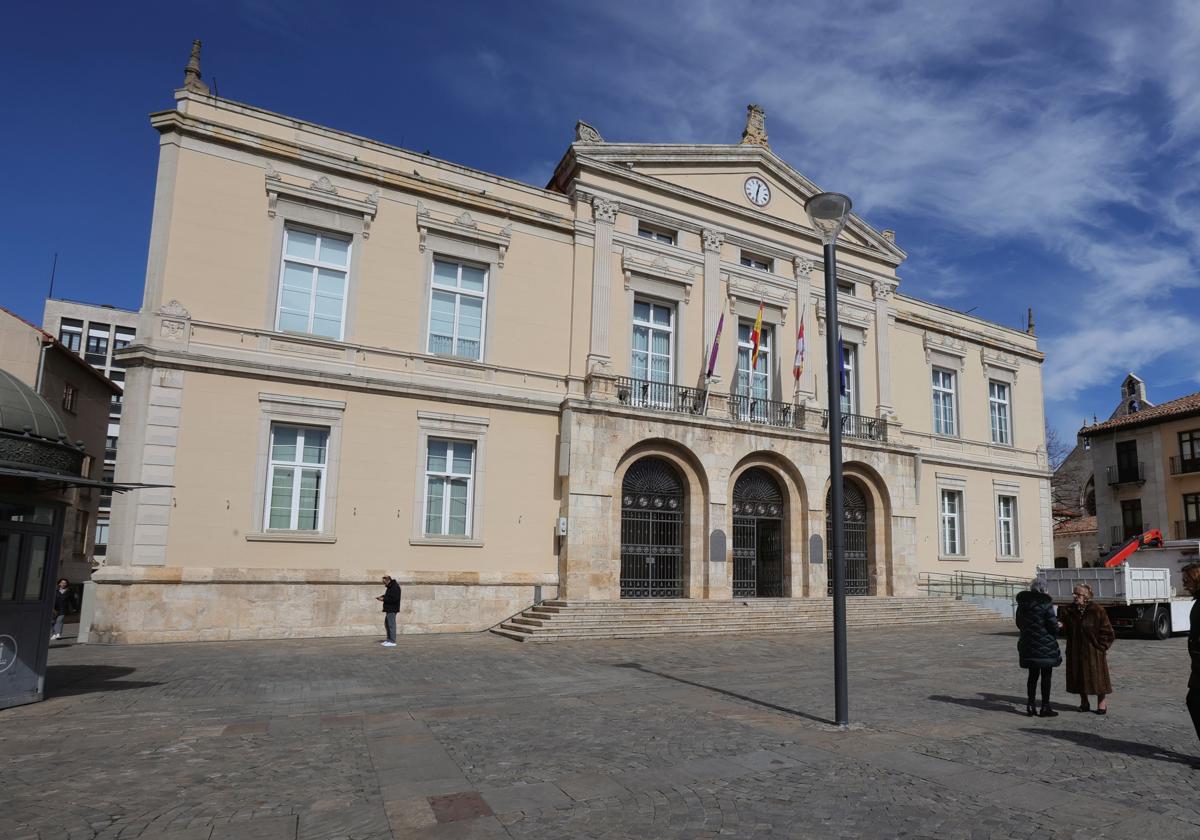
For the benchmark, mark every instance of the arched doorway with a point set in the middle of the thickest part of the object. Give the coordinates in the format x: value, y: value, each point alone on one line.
x: 757, y: 535
x: 652, y: 504
x: 856, y: 515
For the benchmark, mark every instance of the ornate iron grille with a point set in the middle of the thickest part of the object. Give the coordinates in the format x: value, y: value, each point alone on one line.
x: 652, y: 531
x: 757, y: 536
x: 855, y: 509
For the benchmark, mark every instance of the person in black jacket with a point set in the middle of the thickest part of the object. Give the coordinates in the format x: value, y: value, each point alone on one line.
x: 64, y: 603
x: 391, y: 606
x: 1038, y: 643
x: 1191, y: 582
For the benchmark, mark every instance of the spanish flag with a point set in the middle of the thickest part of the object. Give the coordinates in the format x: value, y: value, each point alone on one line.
x: 798, y: 364
x: 756, y: 338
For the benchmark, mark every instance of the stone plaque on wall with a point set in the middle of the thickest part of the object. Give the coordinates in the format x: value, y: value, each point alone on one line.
x: 716, y: 546
x: 816, y: 550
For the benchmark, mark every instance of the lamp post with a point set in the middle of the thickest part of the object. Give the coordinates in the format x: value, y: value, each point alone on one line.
x: 828, y: 213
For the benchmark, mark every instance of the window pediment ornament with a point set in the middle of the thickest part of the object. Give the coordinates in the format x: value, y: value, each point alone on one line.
x: 659, y: 267
x: 321, y: 193
x: 945, y: 345
x: 742, y: 288
x: 998, y: 361
x: 464, y: 226
x: 848, y: 315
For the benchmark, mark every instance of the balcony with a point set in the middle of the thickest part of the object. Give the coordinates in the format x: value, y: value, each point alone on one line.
x: 1120, y: 535
x: 1183, y: 466
x: 660, y: 396
x: 767, y: 412
x: 859, y: 426
x: 1126, y: 474
x: 1187, y: 530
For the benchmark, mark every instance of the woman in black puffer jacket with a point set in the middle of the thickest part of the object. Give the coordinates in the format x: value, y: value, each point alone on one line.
x: 1038, y: 644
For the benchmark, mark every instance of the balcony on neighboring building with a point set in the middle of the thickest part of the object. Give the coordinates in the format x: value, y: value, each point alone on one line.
x: 1183, y: 466
x: 1126, y: 474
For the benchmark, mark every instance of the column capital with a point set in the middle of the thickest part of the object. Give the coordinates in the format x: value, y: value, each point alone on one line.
x: 713, y: 239
x: 802, y: 268
x: 604, y: 209
x: 882, y: 289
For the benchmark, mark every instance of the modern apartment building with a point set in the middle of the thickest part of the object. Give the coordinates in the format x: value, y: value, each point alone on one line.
x: 353, y: 360
x: 95, y: 333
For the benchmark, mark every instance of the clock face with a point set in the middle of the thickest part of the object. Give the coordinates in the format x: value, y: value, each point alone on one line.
x: 757, y: 191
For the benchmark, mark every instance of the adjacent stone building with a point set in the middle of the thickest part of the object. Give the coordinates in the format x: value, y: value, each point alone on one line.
x: 353, y: 359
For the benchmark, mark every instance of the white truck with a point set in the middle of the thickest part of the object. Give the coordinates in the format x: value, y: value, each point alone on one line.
x: 1142, y: 592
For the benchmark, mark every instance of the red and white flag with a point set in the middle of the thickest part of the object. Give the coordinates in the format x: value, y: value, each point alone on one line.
x: 798, y: 365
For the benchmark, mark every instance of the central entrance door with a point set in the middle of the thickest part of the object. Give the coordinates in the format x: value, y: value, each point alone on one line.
x: 757, y: 536
x: 652, y: 531
x: 854, y: 528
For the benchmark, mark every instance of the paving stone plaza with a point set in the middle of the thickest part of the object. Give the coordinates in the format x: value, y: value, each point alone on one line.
x: 475, y: 736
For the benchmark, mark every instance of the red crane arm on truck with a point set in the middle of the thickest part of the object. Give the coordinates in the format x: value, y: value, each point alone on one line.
x: 1153, y: 538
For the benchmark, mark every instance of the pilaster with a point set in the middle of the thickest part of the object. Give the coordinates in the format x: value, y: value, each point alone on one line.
x: 604, y: 213
x: 713, y: 240
x: 883, y: 364
x: 802, y: 268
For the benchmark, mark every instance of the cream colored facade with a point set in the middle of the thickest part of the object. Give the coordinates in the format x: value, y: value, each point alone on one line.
x: 551, y: 413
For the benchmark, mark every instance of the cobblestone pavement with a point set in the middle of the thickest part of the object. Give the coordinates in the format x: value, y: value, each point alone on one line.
x: 465, y: 737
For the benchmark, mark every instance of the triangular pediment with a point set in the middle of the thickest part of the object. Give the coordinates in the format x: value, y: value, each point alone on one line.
x: 719, y: 175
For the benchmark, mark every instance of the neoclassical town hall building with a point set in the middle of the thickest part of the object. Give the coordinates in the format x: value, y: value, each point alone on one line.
x: 355, y: 360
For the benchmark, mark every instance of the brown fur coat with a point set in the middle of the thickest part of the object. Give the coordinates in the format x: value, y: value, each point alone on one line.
x: 1089, y: 636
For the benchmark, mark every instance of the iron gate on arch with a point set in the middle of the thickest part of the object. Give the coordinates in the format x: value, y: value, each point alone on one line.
x: 856, y: 513
x: 757, y: 535
x: 652, y: 503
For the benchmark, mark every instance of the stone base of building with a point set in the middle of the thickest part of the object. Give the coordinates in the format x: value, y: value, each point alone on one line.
x: 145, y: 604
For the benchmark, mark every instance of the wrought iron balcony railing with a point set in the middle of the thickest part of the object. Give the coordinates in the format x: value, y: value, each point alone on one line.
x: 1126, y: 474
x: 1181, y: 465
x: 859, y: 426
x: 660, y: 396
x: 768, y: 412
x: 1187, y: 530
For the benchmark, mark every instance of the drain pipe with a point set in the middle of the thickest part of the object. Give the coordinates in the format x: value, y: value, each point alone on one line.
x: 46, y: 345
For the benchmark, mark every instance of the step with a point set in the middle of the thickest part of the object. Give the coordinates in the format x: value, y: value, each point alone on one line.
x: 566, y: 621
x: 739, y: 626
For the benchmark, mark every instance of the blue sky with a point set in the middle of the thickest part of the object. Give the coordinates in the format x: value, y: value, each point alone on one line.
x: 1044, y: 155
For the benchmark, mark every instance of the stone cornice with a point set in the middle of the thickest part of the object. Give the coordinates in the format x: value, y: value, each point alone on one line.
x: 659, y: 267
x: 463, y: 226
x: 323, y: 193
x: 979, y: 339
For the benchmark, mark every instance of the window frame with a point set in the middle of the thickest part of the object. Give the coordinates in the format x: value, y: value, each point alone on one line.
x: 852, y: 404
x: 1012, y: 520
x: 70, y: 398
x: 458, y: 291
x: 298, y: 467
x: 657, y: 233
x: 952, y: 391
x: 1190, y: 438
x: 649, y: 325
x: 1191, y: 524
x: 70, y: 335
x: 1006, y: 404
x: 765, y: 352
x: 959, y: 547
x: 757, y: 262
x: 432, y: 426
x: 315, y: 265
x: 448, y: 476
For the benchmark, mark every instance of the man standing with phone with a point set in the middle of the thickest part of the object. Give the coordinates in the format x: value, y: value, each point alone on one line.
x: 391, y: 606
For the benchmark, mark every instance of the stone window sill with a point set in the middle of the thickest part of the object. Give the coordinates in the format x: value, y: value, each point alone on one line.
x: 460, y: 542
x: 954, y: 558
x: 1009, y: 560
x: 290, y: 536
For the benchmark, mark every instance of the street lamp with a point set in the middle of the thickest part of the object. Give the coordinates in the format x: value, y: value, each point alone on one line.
x: 828, y: 213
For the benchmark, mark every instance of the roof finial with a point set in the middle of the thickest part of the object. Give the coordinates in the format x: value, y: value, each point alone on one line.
x: 191, y: 73
x: 755, y: 133
x: 585, y: 133
x: 1030, y: 325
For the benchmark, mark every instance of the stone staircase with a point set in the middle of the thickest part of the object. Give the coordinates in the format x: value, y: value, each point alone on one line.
x: 555, y: 620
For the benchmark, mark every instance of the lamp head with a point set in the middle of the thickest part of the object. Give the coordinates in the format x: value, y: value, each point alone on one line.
x: 828, y: 212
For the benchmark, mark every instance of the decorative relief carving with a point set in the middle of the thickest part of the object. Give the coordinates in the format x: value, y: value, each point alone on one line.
x: 465, y: 220
x: 936, y: 342
x: 324, y: 185
x: 585, y: 133
x: 374, y: 197
x: 173, y: 330
x: 464, y: 226
x: 848, y: 315
x: 272, y: 175
x: 802, y: 268
x: 713, y: 240
x: 29, y: 451
x: 422, y: 210
x: 998, y: 360
x: 174, y: 309
x: 604, y: 210
x: 882, y: 289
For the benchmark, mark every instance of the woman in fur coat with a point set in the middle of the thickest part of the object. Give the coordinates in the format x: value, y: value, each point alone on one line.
x: 1089, y: 636
x: 1038, y: 644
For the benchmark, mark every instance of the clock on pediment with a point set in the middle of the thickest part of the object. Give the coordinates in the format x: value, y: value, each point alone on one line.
x: 758, y: 192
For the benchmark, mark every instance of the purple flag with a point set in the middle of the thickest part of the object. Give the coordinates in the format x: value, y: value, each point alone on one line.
x: 712, y: 356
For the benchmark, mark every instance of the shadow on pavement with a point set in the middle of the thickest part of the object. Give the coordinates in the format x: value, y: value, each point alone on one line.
x: 994, y: 703
x: 1131, y: 748
x: 69, y: 680
x: 636, y: 666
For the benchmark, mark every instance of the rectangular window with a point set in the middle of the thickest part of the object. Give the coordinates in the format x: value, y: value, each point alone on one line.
x: 1191, y: 516
x: 110, y: 448
x: 68, y: 397
x: 653, y: 342
x: 755, y: 261
x: 754, y: 386
x: 70, y: 333
x: 1006, y: 525
x: 657, y: 234
x: 114, y: 405
x: 846, y: 289
x: 944, y: 420
x: 296, y: 478
x: 999, y: 413
x: 1127, y: 461
x: 1131, y: 518
x: 457, y: 303
x: 849, y: 400
x: 950, y: 514
x: 1189, y: 451
x: 449, y: 472
x: 312, y: 283
x: 97, y: 345
x: 122, y: 338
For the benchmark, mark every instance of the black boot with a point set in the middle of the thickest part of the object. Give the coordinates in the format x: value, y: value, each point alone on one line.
x: 1030, y: 709
x: 1047, y: 711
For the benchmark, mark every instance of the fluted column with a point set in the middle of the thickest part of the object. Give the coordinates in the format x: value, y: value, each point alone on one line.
x: 713, y: 240
x: 883, y: 364
x: 802, y: 271
x: 604, y: 213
